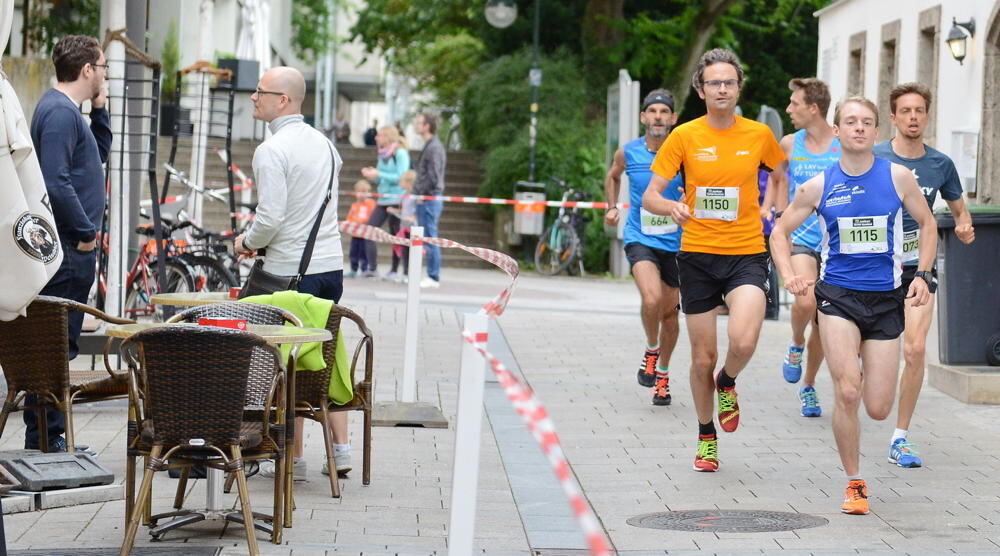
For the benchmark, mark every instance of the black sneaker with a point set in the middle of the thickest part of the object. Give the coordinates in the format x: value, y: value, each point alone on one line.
x: 58, y: 444
x: 647, y: 369
x: 661, y: 392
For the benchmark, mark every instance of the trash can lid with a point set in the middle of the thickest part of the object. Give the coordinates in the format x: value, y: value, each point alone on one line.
x: 981, y: 215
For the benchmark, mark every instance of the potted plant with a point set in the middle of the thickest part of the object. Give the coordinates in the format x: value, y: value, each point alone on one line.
x: 170, y: 109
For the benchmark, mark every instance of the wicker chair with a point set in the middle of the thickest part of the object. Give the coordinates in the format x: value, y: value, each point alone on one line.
x: 312, y: 392
x: 34, y: 354
x: 188, y: 388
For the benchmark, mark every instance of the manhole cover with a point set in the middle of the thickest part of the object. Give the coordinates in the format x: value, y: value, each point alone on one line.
x: 727, y: 521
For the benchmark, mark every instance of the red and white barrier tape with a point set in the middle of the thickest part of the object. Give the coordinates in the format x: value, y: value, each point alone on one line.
x: 519, y: 205
x: 522, y: 397
x: 247, y: 182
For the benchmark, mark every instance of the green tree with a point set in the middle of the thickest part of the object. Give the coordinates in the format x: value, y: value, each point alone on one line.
x: 171, y: 63
x: 312, y: 25
x: 46, y: 24
x: 445, y: 65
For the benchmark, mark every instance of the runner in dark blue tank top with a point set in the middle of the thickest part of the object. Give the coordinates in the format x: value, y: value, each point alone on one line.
x: 651, y: 241
x: 860, y: 299
x: 935, y: 172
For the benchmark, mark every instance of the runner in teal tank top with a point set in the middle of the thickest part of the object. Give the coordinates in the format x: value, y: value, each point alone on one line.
x: 810, y: 151
x: 651, y: 241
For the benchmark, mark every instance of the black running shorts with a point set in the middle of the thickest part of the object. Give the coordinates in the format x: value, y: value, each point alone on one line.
x: 706, y: 278
x: 799, y: 249
x: 666, y: 261
x: 909, y: 273
x: 878, y: 315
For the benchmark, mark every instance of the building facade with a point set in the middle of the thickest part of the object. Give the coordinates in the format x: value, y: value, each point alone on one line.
x: 866, y: 47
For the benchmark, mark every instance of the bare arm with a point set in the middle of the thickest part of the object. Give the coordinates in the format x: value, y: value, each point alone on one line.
x: 781, y: 191
x: 806, y: 200
x: 653, y: 201
x: 915, y: 203
x: 963, y: 221
x: 612, y: 187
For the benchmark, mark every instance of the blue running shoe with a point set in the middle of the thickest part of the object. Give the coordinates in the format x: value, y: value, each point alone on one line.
x: 792, y: 367
x: 810, y: 403
x: 902, y: 454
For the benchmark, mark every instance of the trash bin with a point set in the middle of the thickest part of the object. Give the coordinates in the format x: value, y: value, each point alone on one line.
x: 529, y: 219
x: 969, y: 279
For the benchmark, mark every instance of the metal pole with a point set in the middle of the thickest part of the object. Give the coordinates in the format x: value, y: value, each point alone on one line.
x: 535, y: 79
x: 118, y: 201
x: 415, y: 271
x: 468, y: 432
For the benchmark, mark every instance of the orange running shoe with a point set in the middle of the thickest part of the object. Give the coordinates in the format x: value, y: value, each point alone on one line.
x: 661, y: 392
x: 707, y: 458
x: 855, y: 498
x: 729, y: 407
x: 647, y: 369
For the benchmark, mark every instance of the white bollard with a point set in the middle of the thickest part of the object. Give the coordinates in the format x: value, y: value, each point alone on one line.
x: 468, y: 429
x: 416, y: 272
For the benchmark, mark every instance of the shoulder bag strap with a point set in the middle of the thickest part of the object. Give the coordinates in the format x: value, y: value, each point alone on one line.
x: 311, y: 242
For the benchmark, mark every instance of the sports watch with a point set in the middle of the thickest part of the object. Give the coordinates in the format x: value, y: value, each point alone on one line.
x: 925, y: 275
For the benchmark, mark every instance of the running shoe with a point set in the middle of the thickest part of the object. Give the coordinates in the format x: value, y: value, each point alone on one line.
x: 902, y: 454
x: 729, y: 408
x: 792, y: 367
x: 855, y: 498
x: 647, y: 369
x: 707, y: 458
x: 810, y: 403
x: 661, y: 392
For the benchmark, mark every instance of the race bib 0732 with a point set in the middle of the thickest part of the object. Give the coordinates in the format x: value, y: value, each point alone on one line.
x: 717, y: 203
x: 656, y: 224
x: 911, y: 246
x: 863, y: 234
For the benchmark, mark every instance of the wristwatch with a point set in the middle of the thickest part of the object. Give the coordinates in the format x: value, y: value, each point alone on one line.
x: 925, y: 275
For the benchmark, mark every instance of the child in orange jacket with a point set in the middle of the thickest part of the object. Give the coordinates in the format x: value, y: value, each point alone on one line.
x: 360, y: 211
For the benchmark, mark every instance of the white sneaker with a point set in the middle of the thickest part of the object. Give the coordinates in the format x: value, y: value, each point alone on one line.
x: 268, y: 467
x: 429, y: 282
x: 391, y: 276
x: 342, y: 461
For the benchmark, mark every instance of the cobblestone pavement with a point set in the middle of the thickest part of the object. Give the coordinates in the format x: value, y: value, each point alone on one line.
x: 578, y: 341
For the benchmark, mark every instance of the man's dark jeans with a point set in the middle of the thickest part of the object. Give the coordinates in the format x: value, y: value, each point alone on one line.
x: 327, y: 285
x: 71, y: 281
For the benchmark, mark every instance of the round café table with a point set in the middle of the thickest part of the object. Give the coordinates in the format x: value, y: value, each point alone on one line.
x: 189, y: 299
x: 274, y: 334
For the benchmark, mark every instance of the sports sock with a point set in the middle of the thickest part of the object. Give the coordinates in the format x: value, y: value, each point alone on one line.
x: 854, y: 478
x: 341, y: 448
x: 653, y: 348
x: 706, y: 429
x: 899, y: 433
x: 661, y: 372
x: 724, y: 380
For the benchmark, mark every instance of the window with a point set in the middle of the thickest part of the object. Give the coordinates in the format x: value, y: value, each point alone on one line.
x: 928, y: 47
x: 887, y: 69
x: 856, y: 64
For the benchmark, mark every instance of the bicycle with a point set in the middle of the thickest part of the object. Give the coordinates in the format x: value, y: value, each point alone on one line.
x: 561, y: 244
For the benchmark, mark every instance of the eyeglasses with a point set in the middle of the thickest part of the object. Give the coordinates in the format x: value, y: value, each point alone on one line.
x: 259, y: 92
x: 718, y: 83
x: 105, y: 66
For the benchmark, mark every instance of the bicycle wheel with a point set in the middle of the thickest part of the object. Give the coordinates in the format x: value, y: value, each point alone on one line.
x: 137, y: 301
x: 555, y: 249
x: 211, y: 274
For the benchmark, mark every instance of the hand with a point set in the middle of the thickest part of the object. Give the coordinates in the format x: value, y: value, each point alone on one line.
x: 765, y: 213
x: 100, y: 99
x: 242, y: 250
x: 611, y: 216
x: 680, y: 213
x: 966, y: 233
x: 369, y: 173
x: 798, y: 285
x: 918, y: 292
x: 86, y: 246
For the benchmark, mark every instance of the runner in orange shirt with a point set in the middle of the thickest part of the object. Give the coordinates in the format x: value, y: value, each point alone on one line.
x: 722, y: 258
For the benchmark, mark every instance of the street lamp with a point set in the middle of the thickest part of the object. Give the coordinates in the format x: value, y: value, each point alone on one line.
x: 500, y: 14
x: 957, y: 37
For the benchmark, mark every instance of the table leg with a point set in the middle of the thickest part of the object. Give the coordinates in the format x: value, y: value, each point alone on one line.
x: 213, y: 489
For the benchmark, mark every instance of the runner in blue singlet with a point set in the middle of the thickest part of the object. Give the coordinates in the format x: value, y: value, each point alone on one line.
x: 651, y: 241
x: 810, y: 150
x: 859, y: 295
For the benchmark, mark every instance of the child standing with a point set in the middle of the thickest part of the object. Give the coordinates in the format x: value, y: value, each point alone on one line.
x: 407, y: 213
x: 360, y: 211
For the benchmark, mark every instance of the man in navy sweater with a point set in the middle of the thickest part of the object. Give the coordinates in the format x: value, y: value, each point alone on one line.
x: 72, y: 156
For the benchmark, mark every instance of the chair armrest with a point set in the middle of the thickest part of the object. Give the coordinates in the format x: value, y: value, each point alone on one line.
x: 84, y: 308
